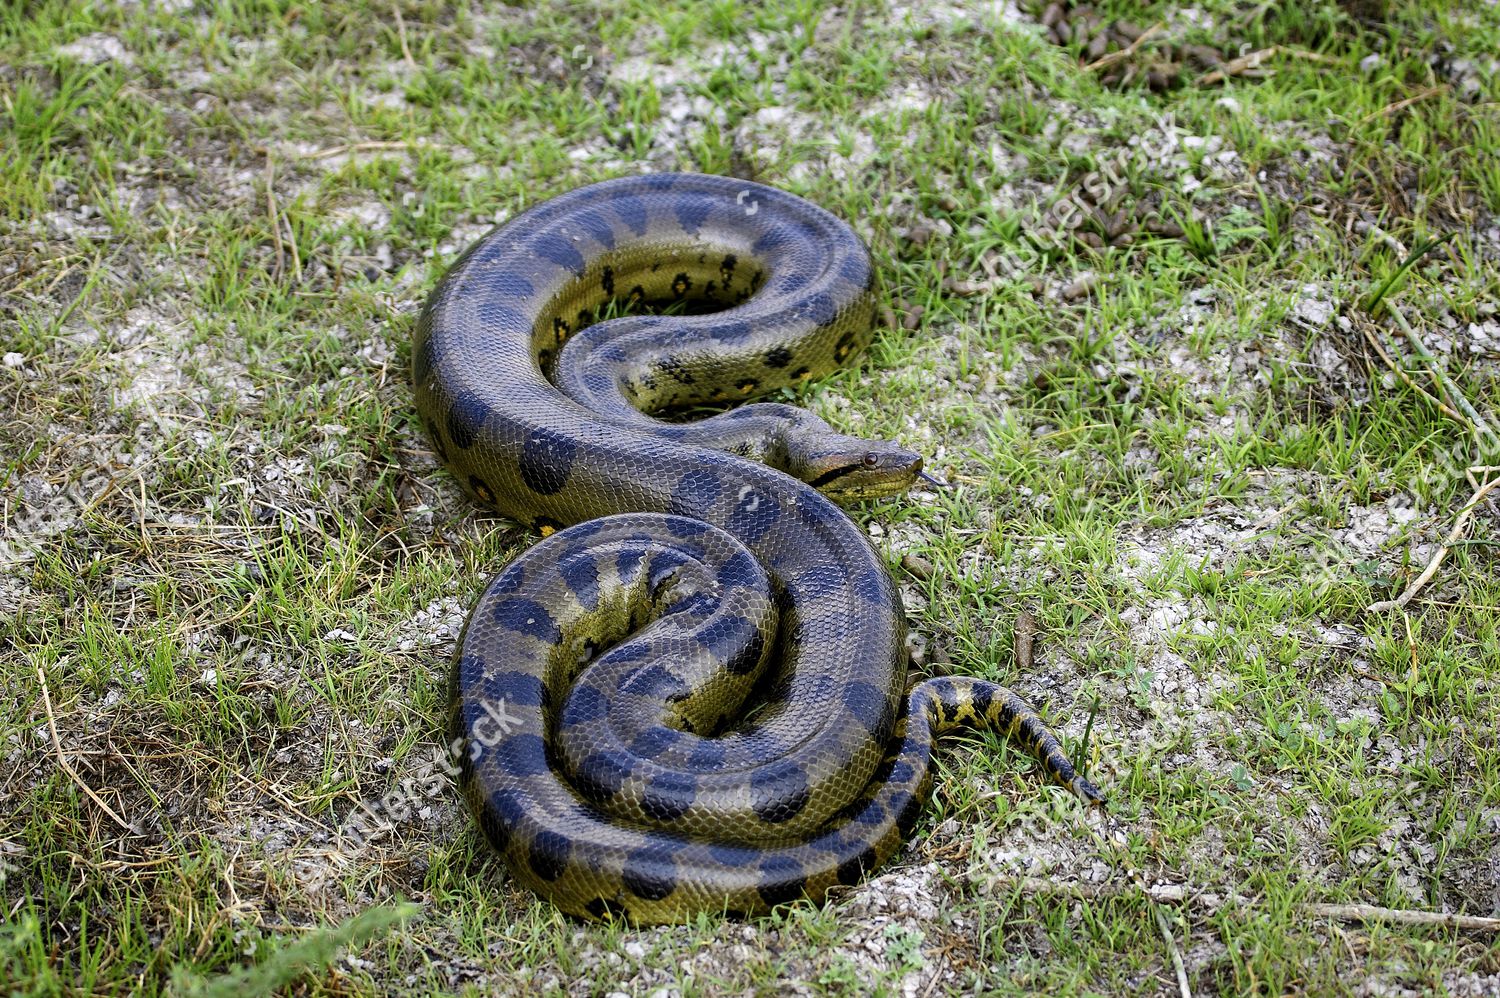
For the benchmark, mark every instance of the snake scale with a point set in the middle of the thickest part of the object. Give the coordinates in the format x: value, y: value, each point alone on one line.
x: 691, y: 695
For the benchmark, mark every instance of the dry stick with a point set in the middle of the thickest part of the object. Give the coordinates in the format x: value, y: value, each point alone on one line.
x: 62, y: 760
x: 1391, y: 109
x: 1447, y: 387
x: 1252, y: 60
x: 1178, y: 894
x: 361, y: 147
x: 1367, y: 328
x: 1105, y: 61
x: 1442, y: 552
x: 401, y: 35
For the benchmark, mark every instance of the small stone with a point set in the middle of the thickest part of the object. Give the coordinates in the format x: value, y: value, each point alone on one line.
x: 13, y: 359
x: 95, y: 49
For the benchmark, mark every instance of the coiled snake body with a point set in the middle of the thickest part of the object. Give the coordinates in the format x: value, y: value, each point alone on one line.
x: 693, y: 697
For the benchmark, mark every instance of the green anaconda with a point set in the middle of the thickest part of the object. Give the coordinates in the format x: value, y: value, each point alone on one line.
x: 692, y: 694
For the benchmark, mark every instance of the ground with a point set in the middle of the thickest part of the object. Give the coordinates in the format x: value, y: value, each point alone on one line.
x: 1148, y: 273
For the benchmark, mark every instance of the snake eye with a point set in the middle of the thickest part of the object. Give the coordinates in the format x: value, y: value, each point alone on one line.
x: 871, y: 459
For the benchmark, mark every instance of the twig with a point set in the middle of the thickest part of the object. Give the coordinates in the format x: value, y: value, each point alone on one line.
x: 1367, y: 328
x: 1105, y: 61
x: 401, y: 35
x: 1444, y: 385
x: 1400, y: 105
x: 1252, y: 60
x: 1442, y: 552
x: 1178, y: 894
x: 362, y: 147
x: 271, y: 215
x: 1404, y: 916
x: 62, y: 760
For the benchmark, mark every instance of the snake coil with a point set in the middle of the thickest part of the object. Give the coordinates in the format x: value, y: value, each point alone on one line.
x: 691, y: 695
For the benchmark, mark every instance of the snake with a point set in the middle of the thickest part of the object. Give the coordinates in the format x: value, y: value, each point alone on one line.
x: 691, y: 694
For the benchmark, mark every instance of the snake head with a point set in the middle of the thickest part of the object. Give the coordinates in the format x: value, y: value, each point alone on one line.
x: 848, y: 469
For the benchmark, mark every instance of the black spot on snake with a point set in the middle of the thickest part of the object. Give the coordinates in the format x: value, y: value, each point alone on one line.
x: 741, y: 571
x: 601, y: 909
x: 907, y: 809
x: 546, y: 460
x: 522, y: 755
x: 628, y: 563
x: 560, y: 251
x: 707, y: 756
x: 497, y: 317
x: 607, y: 280
x: 851, y: 870
x: 983, y: 697
x: 873, y: 587
x: 733, y: 640
x: 696, y: 491
x: 781, y: 879
x: 526, y: 616
x: 510, y: 285
x: 731, y: 332
x: 598, y: 229
x: 690, y: 212
x: 870, y: 706
x: 466, y: 418
x: 778, y: 792
x: 502, y: 810
x: 668, y: 796
x: 754, y: 515
x: 695, y: 605
x: 653, y: 741
x: 482, y: 490
x: 685, y: 527
x: 733, y: 856
x: 821, y: 308
x: 901, y: 772
x: 650, y: 872
x: 771, y: 240
x: 509, y: 580
x: 789, y: 281
x: 653, y: 681
x: 583, y: 706
x: 468, y: 671
x: 632, y: 211
x: 778, y: 357
x: 681, y: 285
x: 581, y: 573
x: 549, y: 855
x: 518, y: 689
x: 857, y: 270
x: 801, y: 373
x: 664, y: 564
x: 601, y: 775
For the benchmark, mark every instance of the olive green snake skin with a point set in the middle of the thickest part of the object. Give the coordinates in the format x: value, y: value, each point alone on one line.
x: 694, y: 697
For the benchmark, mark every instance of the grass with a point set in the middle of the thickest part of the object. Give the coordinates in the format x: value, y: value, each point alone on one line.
x: 235, y: 562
